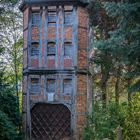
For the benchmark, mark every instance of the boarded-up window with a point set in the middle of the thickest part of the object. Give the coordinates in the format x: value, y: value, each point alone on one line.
x: 34, y: 49
x: 68, y: 17
x: 50, y: 85
x: 67, y: 86
x: 52, y: 17
x: 34, y: 86
x: 68, y: 49
x: 51, y: 49
x: 35, y: 18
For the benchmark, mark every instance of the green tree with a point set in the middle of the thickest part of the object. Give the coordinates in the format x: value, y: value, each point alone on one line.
x: 116, y: 57
x: 10, y: 69
x: 117, y: 41
x: 12, y: 43
x: 132, y: 120
x: 7, y: 131
x: 103, y: 124
x: 9, y: 113
x: 126, y: 37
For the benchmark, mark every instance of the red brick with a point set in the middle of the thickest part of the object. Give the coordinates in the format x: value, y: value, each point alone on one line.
x: 35, y: 62
x: 67, y: 63
x: 51, y: 63
x: 51, y: 33
x: 68, y: 33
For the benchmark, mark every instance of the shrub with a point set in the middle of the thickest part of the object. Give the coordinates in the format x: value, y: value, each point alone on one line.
x: 104, y: 122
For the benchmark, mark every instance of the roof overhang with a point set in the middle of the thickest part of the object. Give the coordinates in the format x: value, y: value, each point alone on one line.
x: 26, y: 3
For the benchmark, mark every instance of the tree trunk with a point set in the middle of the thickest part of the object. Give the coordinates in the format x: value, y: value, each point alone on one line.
x: 104, y: 80
x: 117, y: 88
x: 129, y: 93
x: 104, y: 94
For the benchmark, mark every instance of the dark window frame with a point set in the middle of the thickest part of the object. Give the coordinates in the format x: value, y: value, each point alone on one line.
x: 34, y: 50
x: 51, y: 89
x: 68, y: 45
x: 34, y: 86
x: 68, y: 17
x: 50, y: 51
x: 35, y: 20
x: 52, y: 17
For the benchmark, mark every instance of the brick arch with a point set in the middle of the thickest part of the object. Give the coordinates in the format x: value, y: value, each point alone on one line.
x: 50, y: 122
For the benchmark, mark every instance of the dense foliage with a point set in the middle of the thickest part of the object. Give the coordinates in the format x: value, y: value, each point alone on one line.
x: 105, y: 122
x: 9, y: 114
x: 10, y: 71
x: 126, y: 37
x: 9, y: 109
x: 116, y: 69
x: 7, y: 131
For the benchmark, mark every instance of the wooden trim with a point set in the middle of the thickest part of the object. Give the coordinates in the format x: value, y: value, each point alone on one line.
x: 62, y: 33
x: 40, y: 39
x: 45, y: 35
x: 26, y: 3
x: 29, y: 37
x: 75, y: 35
x: 57, y: 36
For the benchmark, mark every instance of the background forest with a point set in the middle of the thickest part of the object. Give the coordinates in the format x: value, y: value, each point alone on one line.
x: 10, y: 70
x: 114, y: 65
x: 115, y: 68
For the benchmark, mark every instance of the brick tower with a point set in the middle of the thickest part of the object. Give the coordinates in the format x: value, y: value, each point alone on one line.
x: 56, y: 80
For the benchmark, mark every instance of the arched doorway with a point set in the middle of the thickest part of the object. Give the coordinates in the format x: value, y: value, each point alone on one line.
x: 50, y: 122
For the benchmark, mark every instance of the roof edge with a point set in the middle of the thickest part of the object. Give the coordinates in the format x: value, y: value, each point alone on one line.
x: 26, y: 3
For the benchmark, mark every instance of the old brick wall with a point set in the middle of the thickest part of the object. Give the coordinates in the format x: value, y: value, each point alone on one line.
x: 80, y: 84
x: 82, y: 79
x: 81, y: 104
x: 83, y: 31
x: 43, y: 33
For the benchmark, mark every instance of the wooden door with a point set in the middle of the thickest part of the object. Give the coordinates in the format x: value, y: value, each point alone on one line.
x: 50, y: 122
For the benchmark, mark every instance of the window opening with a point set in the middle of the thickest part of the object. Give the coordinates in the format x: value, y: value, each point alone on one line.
x: 68, y: 17
x: 35, y: 18
x: 35, y: 87
x: 50, y: 85
x: 67, y: 86
x: 52, y: 17
x: 68, y: 49
x: 51, y: 49
x: 34, y: 49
